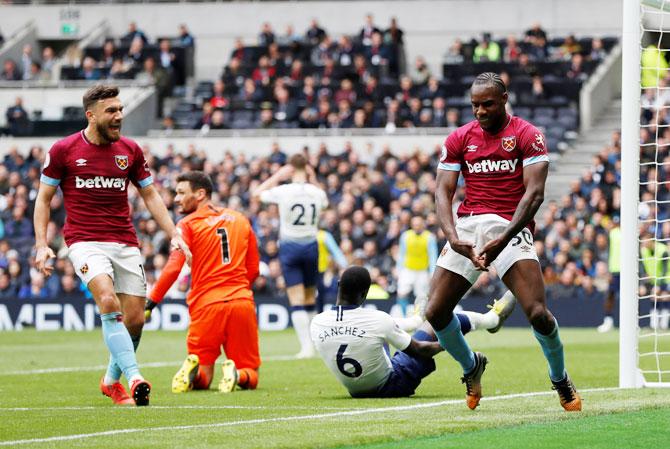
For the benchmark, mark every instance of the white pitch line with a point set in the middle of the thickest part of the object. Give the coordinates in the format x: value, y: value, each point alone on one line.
x: 172, y: 407
x: 399, y: 408
x: 80, y: 369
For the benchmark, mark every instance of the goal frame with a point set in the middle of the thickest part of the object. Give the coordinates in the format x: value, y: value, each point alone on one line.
x: 629, y: 375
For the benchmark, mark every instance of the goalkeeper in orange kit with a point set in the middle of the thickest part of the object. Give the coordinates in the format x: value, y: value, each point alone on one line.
x: 220, y: 303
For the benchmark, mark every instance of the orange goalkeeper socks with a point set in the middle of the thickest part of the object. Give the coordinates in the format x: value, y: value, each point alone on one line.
x: 247, y: 378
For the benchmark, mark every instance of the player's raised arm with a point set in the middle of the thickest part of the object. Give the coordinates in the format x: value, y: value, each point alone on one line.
x: 534, y: 179
x: 280, y: 175
x: 41, y: 220
x: 155, y: 204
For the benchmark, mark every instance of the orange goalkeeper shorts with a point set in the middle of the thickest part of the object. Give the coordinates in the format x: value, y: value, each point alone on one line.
x: 231, y: 324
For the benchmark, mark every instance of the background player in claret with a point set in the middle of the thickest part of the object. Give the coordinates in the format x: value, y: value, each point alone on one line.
x: 220, y: 303
x: 353, y: 341
x: 300, y: 204
x: 504, y: 162
x: 92, y: 168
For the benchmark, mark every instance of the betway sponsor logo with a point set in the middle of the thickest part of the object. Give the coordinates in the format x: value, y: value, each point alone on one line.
x: 100, y: 182
x: 487, y: 166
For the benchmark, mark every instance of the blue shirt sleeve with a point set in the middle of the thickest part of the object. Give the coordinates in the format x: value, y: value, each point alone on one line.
x: 335, y: 250
x: 402, y: 249
x: 432, y: 253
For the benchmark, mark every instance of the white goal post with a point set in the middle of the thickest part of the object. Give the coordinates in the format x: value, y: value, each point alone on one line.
x: 644, y: 344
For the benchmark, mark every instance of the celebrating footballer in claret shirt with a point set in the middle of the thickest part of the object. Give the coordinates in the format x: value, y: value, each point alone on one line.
x: 94, y: 169
x: 504, y: 162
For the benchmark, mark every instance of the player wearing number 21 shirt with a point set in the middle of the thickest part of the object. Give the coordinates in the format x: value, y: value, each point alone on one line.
x: 220, y: 302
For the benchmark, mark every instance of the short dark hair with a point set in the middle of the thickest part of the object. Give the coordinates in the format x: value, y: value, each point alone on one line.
x: 99, y: 92
x: 298, y: 161
x: 492, y: 79
x: 354, y: 282
x: 197, y: 180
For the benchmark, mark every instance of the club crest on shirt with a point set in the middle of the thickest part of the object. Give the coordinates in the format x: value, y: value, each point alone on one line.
x: 509, y: 143
x: 84, y: 269
x: 121, y: 161
x: 538, y: 145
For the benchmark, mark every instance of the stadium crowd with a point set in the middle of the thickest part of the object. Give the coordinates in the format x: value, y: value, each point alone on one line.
x: 373, y: 196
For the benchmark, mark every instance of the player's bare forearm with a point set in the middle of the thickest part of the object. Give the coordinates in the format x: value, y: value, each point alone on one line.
x: 444, y: 196
x: 42, y: 213
x: 534, y: 177
x: 155, y: 205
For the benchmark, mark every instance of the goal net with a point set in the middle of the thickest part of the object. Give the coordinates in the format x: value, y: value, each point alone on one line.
x: 645, y: 195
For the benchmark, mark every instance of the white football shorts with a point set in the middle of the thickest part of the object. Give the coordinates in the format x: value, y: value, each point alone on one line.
x: 416, y: 281
x: 480, y: 229
x: 122, y: 263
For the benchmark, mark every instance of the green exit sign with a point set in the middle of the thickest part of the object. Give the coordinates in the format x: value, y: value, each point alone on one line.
x: 69, y: 29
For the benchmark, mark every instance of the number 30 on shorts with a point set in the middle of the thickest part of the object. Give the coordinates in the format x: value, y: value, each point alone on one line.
x: 523, y: 236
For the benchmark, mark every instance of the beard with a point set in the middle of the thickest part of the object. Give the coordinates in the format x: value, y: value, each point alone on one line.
x: 107, y: 134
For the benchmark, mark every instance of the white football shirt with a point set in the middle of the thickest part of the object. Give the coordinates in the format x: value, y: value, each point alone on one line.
x: 351, y: 343
x: 300, y: 205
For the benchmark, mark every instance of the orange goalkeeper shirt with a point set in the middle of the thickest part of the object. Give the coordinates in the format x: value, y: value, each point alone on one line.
x: 225, y: 257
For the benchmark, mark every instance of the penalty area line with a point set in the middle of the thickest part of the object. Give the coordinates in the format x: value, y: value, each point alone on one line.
x: 398, y: 408
x: 81, y: 369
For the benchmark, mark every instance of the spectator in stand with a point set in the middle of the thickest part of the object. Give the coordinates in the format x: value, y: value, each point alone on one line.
x: 48, y: 61
x: 455, y: 53
x: 289, y: 37
x: 568, y: 48
x: 155, y: 76
x: 576, y: 71
x: 185, y: 38
x: 512, y: 50
x: 219, y: 100
x: 598, y: 52
x: 217, y: 121
x: 266, y: 36
x: 88, y: 70
x: 285, y: 110
x: 109, y: 54
x: 134, y: 33
x: 432, y: 90
x: 322, y: 52
x: 378, y: 54
x: 167, y: 58
x: 487, y: 50
x: 314, y: 34
x: 535, y: 32
x: 18, y: 123
x: 26, y: 61
x: 7, y: 290
x: 9, y: 71
x: 344, y: 51
x: 69, y: 288
x: 264, y: 73
x: 365, y: 35
x: 538, y: 50
x: 421, y: 73
x: 135, y: 56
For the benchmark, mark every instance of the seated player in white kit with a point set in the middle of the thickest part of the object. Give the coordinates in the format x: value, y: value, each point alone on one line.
x: 353, y: 341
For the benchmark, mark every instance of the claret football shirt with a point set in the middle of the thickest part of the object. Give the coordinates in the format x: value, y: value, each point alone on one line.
x: 94, y: 180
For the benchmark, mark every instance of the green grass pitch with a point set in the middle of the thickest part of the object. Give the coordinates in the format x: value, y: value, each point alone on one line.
x: 49, y: 398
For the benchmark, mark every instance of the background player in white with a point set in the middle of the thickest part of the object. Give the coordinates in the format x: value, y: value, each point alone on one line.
x: 93, y: 168
x: 300, y: 205
x: 353, y: 341
x: 417, y: 255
